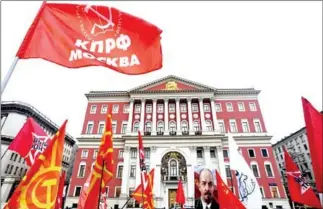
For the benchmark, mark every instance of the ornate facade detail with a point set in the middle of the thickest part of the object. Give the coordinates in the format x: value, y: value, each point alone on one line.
x: 171, y: 85
x: 127, y: 149
x: 206, y: 149
x: 173, y: 167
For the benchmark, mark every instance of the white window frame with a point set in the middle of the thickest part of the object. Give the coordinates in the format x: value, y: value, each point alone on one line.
x: 183, y: 107
x: 87, y: 127
x: 133, y: 127
x: 137, y: 108
x: 198, y: 125
x: 87, y: 154
x: 101, y: 123
x: 118, y: 170
x: 160, y: 108
x: 210, y: 127
x: 116, y: 125
x: 254, y: 105
x: 158, y: 125
x: 254, y: 152
x: 182, y: 125
x: 195, y: 107
x: 271, y: 168
x: 258, y: 170
x: 206, y: 107
x: 241, y: 107
x: 126, y: 108
x: 115, y: 108
x: 93, y: 107
x: 134, y: 174
x: 95, y: 153
x: 227, y: 106
x: 115, y: 191
x: 266, y: 151
x: 218, y: 107
x: 171, y: 108
x: 170, y: 125
x: 221, y: 122
x: 235, y: 124
x: 150, y: 126
x: 126, y: 124
x: 79, y: 169
x: 75, y: 191
x: 120, y: 154
x: 149, y: 107
x: 248, y: 127
x: 104, y: 109
x: 254, y: 123
x: 277, y: 189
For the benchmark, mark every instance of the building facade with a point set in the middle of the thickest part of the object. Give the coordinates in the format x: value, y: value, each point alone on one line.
x: 184, y: 125
x: 13, y: 166
x: 298, y: 148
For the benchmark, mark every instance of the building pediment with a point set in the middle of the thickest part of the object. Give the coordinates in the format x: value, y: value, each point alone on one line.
x: 172, y: 83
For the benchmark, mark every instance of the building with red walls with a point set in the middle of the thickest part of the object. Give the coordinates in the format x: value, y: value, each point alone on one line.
x: 184, y: 124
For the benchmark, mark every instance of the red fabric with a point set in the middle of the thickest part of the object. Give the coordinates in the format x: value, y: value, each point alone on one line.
x: 148, y: 197
x: 103, y: 165
x: 314, y: 129
x: 299, y: 189
x: 30, y: 141
x: 180, y: 196
x: 77, y: 35
x: 59, y: 200
x: 226, y: 199
x: 39, y: 187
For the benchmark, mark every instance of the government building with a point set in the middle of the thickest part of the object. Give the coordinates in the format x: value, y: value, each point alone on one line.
x: 184, y: 126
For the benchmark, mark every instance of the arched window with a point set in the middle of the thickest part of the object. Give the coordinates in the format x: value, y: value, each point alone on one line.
x: 160, y: 126
x: 148, y: 127
x: 196, y: 125
x: 135, y: 126
x: 208, y: 125
x: 172, y: 126
x: 184, y: 126
x: 81, y: 172
x: 173, y: 168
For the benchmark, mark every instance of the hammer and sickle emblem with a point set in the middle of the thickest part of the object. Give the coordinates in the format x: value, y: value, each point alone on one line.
x: 104, y: 27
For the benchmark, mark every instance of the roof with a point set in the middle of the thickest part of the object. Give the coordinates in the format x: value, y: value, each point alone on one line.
x: 30, y: 111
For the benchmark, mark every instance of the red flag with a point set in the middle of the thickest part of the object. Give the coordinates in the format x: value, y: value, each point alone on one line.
x: 314, y: 129
x: 147, y: 195
x: 74, y: 35
x: 59, y: 200
x: 299, y: 189
x: 38, y: 188
x: 30, y: 141
x: 226, y: 199
x: 143, y: 169
x: 180, y: 196
x: 103, y: 169
x: 84, y: 193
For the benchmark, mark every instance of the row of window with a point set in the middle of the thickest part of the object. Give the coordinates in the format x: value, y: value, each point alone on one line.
x: 184, y: 126
x: 14, y: 156
x: 251, y: 153
x: 171, y: 108
x: 11, y: 169
x: 255, y: 169
x: 133, y: 154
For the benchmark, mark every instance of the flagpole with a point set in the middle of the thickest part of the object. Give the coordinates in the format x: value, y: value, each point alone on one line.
x: 100, y: 185
x: 6, y: 79
x: 129, y: 198
x: 4, y: 153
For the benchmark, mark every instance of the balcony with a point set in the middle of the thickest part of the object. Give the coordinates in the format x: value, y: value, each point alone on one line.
x: 198, y: 133
x: 185, y: 133
x: 172, y: 133
x: 147, y: 133
x: 173, y: 179
x: 160, y: 133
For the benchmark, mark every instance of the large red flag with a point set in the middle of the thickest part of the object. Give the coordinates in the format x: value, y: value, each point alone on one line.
x: 39, y: 187
x: 30, y: 141
x: 138, y: 194
x: 74, y: 35
x: 103, y: 169
x: 180, y: 196
x: 314, y: 129
x: 142, y: 164
x: 299, y: 189
x: 226, y: 199
x: 59, y: 200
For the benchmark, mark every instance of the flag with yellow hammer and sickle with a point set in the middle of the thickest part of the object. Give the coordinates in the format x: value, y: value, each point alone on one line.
x: 39, y: 187
x: 103, y: 168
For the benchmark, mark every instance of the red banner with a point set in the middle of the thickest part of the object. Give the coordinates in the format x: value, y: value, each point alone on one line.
x: 30, y: 141
x: 76, y: 36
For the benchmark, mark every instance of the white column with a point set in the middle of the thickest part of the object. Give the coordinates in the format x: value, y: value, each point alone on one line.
x: 129, y: 125
x: 157, y: 180
x: 190, y: 180
x: 202, y: 114
x: 178, y: 117
x: 190, y: 117
x: 221, y: 163
x: 166, y: 132
x: 207, y: 156
x: 142, y: 115
x: 138, y: 171
x: 154, y: 116
x: 125, y: 172
x: 6, y: 187
x: 216, y: 126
